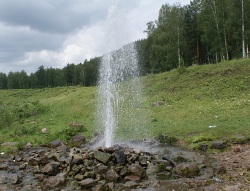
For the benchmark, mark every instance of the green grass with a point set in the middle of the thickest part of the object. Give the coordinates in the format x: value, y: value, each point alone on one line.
x: 194, y: 99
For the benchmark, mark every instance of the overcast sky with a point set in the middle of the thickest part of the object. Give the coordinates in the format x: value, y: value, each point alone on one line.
x: 56, y: 32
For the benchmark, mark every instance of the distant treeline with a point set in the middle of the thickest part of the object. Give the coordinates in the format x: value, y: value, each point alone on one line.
x: 203, y: 32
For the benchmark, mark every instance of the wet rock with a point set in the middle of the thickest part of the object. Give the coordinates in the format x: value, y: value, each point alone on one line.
x: 120, y: 157
x: 112, y: 175
x: 3, y: 166
x: 23, y: 166
x: 43, y: 160
x: 187, y: 170
x: 219, y: 145
x: 78, y: 140
x: 77, y: 159
x: 51, y: 168
x: 131, y: 184
x: 143, y: 160
x: 102, y: 169
x: 86, y: 183
x: 123, y: 171
x: 102, y: 157
x: 15, y: 179
x: 137, y: 170
x: 54, y: 181
x: 179, y: 159
x: 133, y: 178
x: 2, y: 179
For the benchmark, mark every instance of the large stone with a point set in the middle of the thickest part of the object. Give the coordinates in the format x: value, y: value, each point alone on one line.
x: 112, y: 176
x: 86, y: 183
x: 54, y: 181
x: 77, y: 159
x: 102, y: 157
x: 51, y: 168
x: 219, y: 145
x: 187, y: 170
x: 143, y: 160
x: 120, y: 157
x: 137, y: 170
x: 15, y: 179
x: 78, y: 140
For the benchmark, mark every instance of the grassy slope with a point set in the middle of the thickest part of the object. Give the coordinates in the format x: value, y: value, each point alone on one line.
x: 210, y: 95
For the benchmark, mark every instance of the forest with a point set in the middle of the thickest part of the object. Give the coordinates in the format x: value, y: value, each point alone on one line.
x: 203, y: 32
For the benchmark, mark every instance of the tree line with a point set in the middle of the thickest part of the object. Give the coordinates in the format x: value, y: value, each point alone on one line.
x: 202, y: 32
x: 85, y: 74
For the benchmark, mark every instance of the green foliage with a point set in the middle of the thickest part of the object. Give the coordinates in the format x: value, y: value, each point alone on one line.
x: 167, y: 140
x: 181, y: 70
x: 67, y: 133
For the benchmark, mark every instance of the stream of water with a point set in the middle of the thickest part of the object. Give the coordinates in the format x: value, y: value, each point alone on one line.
x: 119, y: 96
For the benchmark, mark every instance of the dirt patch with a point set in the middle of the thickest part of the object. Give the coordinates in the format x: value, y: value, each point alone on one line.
x: 237, y: 163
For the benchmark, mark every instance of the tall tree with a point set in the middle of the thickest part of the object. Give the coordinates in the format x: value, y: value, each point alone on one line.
x: 3, y: 81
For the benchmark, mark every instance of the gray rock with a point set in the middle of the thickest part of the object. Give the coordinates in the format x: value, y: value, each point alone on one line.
x: 2, y: 179
x: 112, y: 175
x: 54, y: 181
x: 78, y: 140
x: 102, y: 157
x: 56, y: 143
x: 3, y: 166
x: 102, y: 169
x: 137, y: 170
x: 89, y: 174
x: 131, y: 184
x: 143, y: 160
x: 120, y: 157
x: 133, y: 178
x: 15, y: 179
x: 187, y: 170
x: 86, y: 183
x: 51, y: 168
x: 219, y: 145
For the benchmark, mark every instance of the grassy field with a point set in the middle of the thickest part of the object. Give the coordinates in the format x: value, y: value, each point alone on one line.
x: 197, y: 105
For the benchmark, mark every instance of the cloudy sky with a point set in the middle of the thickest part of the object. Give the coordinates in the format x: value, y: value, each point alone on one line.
x: 56, y: 32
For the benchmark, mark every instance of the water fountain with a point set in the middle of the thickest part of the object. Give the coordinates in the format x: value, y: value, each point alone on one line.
x: 119, y: 97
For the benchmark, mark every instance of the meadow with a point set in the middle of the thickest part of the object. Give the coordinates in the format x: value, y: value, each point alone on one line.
x: 193, y: 105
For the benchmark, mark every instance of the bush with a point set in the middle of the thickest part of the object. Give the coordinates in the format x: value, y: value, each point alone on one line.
x: 167, y: 140
x: 68, y: 132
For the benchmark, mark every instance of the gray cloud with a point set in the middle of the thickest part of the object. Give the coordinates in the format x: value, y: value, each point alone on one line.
x: 56, y: 32
x: 55, y: 16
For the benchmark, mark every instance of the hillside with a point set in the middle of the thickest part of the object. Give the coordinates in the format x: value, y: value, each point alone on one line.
x: 196, y: 104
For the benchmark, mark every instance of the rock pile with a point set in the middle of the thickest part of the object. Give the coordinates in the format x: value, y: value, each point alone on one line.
x: 105, y: 169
